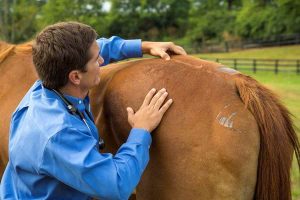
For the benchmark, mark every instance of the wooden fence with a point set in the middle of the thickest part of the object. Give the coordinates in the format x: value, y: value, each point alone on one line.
x: 286, y: 65
x: 226, y: 46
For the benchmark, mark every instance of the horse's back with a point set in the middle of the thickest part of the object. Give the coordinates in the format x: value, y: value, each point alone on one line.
x: 16, y: 76
x: 207, y: 144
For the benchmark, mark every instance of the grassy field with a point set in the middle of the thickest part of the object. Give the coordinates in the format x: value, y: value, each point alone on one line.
x: 284, y: 52
x: 286, y: 85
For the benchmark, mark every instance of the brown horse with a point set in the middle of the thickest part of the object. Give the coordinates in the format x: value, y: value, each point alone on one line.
x: 17, y: 74
x: 225, y: 136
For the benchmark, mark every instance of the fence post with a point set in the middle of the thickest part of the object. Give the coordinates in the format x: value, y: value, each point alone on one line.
x: 298, y: 67
x: 276, y: 67
x: 235, y: 64
x: 226, y: 46
x: 254, y: 65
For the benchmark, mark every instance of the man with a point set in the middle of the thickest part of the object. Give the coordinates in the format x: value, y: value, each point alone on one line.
x: 54, y: 143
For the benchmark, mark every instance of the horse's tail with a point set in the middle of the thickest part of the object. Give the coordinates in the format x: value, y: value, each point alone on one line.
x: 278, y: 139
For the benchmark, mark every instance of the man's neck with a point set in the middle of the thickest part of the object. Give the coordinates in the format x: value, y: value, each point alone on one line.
x: 74, y: 91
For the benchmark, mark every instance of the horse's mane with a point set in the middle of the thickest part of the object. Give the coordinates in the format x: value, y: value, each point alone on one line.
x: 7, y: 49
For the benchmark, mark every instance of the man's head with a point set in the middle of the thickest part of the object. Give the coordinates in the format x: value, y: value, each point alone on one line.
x: 60, y: 49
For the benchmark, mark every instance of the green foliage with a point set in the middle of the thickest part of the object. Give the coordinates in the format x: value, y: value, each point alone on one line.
x: 191, y: 22
x: 253, y: 21
x: 148, y: 19
x: 85, y: 11
x: 289, y: 14
x: 257, y: 20
x: 210, y: 19
x: 210, y: 25
x: 17, y: 19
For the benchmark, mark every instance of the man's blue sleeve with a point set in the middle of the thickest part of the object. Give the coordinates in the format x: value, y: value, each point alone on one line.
x: 116, y: 48
x: 72, y: 157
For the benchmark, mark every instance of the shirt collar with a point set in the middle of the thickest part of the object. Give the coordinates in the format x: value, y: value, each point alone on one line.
x: 80, y: 104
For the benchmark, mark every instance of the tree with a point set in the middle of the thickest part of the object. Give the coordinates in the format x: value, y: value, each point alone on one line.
x: 17, y: 19
x: 271, y: 18
x: 149, y: 19
x: 86, y: 11
x: 210, y: 19
x: 289, y: 14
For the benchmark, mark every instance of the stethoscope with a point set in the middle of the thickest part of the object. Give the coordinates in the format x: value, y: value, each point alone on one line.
x: 72, y: 109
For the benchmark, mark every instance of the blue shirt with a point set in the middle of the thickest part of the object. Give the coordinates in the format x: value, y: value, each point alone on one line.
x: 54, y: 154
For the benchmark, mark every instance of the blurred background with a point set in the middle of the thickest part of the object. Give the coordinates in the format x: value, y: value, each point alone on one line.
x: 198, y: 25
x: 258, y: 37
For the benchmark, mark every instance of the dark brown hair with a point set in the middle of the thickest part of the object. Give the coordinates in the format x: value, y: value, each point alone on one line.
x: 61, y: 48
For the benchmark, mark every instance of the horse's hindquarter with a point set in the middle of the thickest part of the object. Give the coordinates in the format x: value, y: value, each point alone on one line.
x: 207, y: 144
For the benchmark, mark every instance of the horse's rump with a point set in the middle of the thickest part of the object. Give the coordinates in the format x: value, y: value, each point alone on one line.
x: 208, y: 144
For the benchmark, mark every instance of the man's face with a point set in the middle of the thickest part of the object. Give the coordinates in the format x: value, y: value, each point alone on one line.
x: 91, y: 77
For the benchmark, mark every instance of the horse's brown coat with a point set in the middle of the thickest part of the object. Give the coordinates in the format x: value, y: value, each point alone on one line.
x: 208, y: 146
x: 17, y: 74
x: 193, y: 156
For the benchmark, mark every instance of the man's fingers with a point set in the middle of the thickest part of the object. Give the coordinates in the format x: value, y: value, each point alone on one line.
x: 156, y: 97
x: 130, y: 113
x: 164, y: 55
x: 160, y: 101
x: 149, y: 97
x: 178, y: 50
x: 166, y: 106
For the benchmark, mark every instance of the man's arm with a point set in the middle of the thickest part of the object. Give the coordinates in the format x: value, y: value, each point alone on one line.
x: 116, y: 48
x: 73, y: 158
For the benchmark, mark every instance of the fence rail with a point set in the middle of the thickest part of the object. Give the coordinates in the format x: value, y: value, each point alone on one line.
x: 275, y: 65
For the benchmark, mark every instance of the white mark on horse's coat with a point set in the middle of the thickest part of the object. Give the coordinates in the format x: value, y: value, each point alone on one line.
x: 227, y: 70
x: 224, y: 119
x: 227, y: 122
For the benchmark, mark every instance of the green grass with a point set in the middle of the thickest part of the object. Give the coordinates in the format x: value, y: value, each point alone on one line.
x: 285, y: 52
x: 286, y: 85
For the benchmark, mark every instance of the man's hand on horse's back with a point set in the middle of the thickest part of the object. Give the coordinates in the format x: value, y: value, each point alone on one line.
x: 151, y: 112
x: 162, y: 49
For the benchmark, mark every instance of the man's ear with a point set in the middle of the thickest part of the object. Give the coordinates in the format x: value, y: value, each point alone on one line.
x: 75, y: 77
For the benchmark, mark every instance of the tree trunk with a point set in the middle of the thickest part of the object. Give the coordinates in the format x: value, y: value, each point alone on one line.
x: 4, y: 19
x: 229, y: 2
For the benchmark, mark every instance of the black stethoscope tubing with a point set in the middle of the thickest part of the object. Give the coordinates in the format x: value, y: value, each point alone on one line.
x: 71, y: 108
